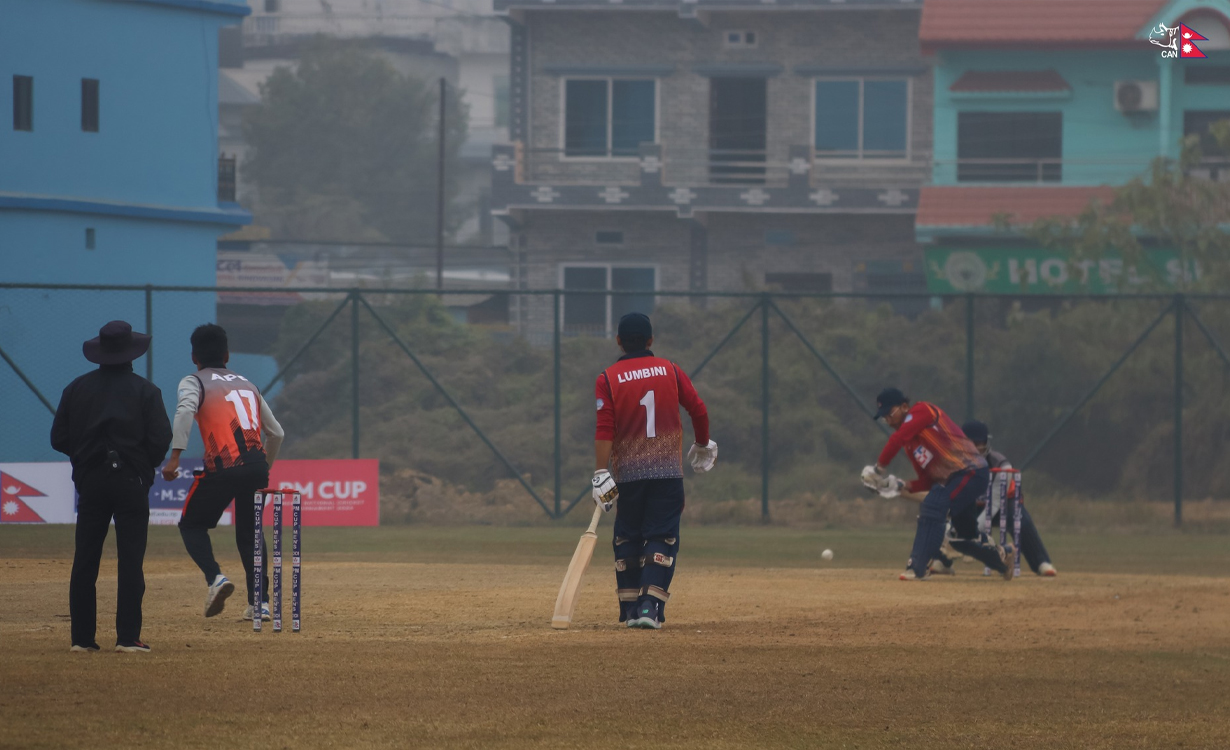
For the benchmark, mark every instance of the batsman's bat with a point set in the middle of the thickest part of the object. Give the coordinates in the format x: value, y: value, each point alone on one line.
x: 566, y: 602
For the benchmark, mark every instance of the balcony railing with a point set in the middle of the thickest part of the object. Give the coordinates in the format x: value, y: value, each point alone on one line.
x: 274, y: 28
x: 226, y: 179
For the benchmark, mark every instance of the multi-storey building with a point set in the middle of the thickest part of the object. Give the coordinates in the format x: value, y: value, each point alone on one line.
x: 710, y: 145
x: 109, y: 174
x: 1044, y: 105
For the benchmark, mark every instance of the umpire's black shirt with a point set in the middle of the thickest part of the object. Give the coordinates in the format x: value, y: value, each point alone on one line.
x: 112, y: 408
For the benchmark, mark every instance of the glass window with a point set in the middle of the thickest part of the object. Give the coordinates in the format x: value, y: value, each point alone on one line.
x: 1207, y: 75
x: 599, y: 314
x: 585, y: 313
x: 1199, y: 122
x: 23, y: 103
x: 89, y: 105
x: 606, y: 117
x: 500, y: 86
x: 862, y: 118
x: 1009, y: 146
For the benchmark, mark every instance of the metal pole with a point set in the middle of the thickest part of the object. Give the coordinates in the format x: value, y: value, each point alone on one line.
x: 764, y: 408
x: 440, y: 194
x: 29, y: 384
x: 354, y: 374
x: 558, y: 457
x: 149, y: 330
x: 969, y: 357
x: 1178, y: 409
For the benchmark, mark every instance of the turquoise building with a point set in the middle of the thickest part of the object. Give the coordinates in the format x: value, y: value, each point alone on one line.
x: 1041, y: 106
x: 109, y: 174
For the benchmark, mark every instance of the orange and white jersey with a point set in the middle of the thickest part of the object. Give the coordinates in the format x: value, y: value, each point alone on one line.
x: 236, y: 424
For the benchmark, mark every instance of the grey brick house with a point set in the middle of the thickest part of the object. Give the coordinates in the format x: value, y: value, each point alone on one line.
x: 711, y: 145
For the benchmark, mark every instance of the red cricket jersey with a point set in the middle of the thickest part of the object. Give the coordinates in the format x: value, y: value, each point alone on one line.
x: 935, y: 446
x: 638, y: 410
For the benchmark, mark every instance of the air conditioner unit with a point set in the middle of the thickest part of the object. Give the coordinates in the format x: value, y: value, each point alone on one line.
x: 1136, y: 96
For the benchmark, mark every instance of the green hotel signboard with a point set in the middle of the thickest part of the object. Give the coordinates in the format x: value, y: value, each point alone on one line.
x: 1036, y: 270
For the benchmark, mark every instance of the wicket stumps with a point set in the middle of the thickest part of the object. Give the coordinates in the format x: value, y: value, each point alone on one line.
x: 1005, y: 488
x: 296, y: 521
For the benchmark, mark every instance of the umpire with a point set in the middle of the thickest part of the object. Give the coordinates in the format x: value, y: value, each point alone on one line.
x: 112, y: 425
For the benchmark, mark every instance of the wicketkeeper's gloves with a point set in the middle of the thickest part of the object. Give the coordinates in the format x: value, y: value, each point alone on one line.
x: 605, y: 491
x: 702, y: 458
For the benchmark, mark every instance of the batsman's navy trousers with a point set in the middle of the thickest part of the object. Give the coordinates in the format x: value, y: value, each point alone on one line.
x: 104, y: 495
x: 955, y: 500
x: 211, y: 493
x: 646, y: 539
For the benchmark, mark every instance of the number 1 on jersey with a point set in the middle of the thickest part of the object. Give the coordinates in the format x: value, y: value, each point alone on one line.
x: 651, y: 424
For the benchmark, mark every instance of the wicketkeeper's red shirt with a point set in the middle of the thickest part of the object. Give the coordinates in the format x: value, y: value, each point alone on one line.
x: 638, y: 410
x: 935, y: 445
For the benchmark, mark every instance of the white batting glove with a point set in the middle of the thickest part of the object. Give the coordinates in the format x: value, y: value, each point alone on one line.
x: 605, y: 491
x: 871, y: 478
x: 893, y: 487
x: 702, y: 458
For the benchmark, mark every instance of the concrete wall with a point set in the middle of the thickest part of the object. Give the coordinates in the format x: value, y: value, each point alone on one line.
x: 1113, y: 146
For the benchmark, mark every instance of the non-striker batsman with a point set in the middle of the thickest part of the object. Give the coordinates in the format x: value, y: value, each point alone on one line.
x: 638, y: 448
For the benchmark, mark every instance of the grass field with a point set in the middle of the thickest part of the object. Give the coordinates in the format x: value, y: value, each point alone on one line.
x: 439, y: 637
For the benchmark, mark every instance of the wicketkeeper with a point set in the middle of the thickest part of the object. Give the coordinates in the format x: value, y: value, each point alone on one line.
x: 1032, y: 548
x: 950, y: 471
x: 638, y: 447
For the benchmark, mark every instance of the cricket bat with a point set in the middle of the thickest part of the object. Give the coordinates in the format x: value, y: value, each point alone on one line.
x: 566, y: 602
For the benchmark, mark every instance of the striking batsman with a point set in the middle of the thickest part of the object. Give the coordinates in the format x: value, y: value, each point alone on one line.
x: 1032, y: 548
x: 637, y: 448
x: 950, y: 471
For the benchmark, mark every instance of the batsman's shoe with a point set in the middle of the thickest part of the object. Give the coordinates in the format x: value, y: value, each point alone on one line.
x: 910, y: 575
x: 938, y: 568
x: 648, y: 618
x: 219, y: 591
x: 131, y: 647
x: 1006, y: 552
x: 265, y: 615
x: 1047, y: 570
x: 85, y: 648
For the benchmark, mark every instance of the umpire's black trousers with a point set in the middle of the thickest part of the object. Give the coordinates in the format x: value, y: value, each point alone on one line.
x: 104, y: 495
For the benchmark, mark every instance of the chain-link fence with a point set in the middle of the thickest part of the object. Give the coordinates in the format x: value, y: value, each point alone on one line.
x: 485, y: 388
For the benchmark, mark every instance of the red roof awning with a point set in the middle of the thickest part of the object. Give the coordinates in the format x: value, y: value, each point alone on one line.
x: 1042, y: 23
x: 1010, y: 80
x: 977, y: 206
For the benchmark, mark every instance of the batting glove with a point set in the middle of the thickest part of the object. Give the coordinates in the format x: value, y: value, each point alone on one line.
x: 702, y: 458
x: 605, y: 491
x: 893, y: 487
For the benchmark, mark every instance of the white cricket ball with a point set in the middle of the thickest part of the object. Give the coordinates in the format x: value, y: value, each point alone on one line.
x: 827, y: 554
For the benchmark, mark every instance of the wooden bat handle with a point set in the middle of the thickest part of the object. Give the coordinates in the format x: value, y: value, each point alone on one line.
x: 593, y: 523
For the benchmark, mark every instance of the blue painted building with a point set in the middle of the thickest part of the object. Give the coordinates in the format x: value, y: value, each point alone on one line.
x: 109, y: 174
x: 1043, y: 105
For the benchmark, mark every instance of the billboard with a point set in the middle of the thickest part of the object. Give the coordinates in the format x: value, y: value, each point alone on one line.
x: 1037, y: 270
x: 340, y: 492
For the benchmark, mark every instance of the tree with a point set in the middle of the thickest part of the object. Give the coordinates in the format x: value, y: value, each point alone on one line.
x: 343, y: 147
x: 1175, y: 207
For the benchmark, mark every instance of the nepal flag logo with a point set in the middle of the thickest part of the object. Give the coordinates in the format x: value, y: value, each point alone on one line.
x: 12, y: 508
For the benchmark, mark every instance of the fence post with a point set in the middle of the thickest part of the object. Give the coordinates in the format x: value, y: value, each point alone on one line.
x: 149, y: 331
x: 558, y: 457
x: 764, y: 408
x: 969, y: 357
x: 1179, y: 305
x: 354, y: 374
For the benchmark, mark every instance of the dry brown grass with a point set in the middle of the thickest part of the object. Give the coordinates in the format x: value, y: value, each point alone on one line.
x: 433, y: 652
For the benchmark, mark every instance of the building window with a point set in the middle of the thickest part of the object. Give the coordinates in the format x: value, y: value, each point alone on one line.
x: 1199, y: 122
x: 503, y: 102
x: 89, y: 238
x: 23, y: 103
x: 599, y: 314
x: 273, y: 6
x: 740, y: 40
x: 608, y: 237
x: 862, y: 118
x: 1009, y: 146
x: 607, y: 117
x: 89, y: 105
x: 1207, y: 75
x: 800, y: 282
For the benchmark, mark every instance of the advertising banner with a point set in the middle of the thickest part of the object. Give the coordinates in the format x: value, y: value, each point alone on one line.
x: 334, y: 492
x: 1036, y: 270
